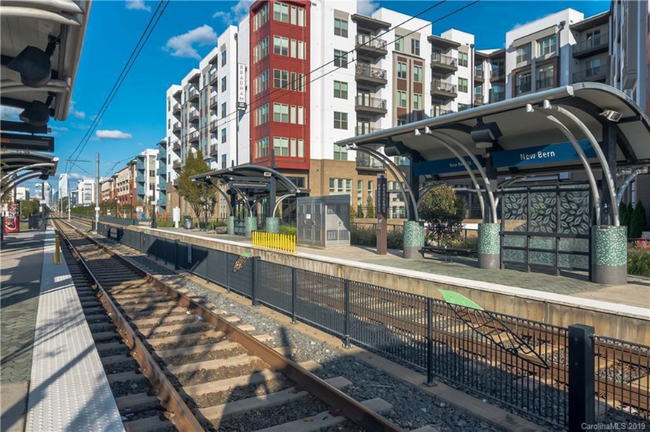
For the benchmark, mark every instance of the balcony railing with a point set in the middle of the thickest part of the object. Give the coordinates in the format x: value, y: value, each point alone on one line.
x: 443, y: 86
x: 365, y: 129
x: 213, y: 75
x: 176, y: 108
x: 444, y: 59
x: 370, y: 102
x: 214, y: 125
x: 367, y: 71
x: 590, y: 74
x: 497, y: 96
x: 176, y: 126
x: 192, y: 94
x: 437, y: 111
x: 522, y: 88
x: 478, y: 98
x: 214, y: 101
x: 176, y: 146
x: 177, y: 165
x: 194, y: 136
x: 479, y: 74
x: 594, y: 42
x: 497, y: 74
x: 371, y: 42
x: 545, y: 83
x: 214, y: 150
x: 367, y: 162
x: 194, y: 114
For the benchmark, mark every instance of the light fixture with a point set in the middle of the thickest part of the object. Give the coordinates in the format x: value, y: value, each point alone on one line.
x: 485, y: 133
x: 36, y: 114
x: 34, y: 66
x: 611, y: 115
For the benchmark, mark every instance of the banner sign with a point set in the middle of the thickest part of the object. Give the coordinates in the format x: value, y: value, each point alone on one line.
x: 12, y: 221
x: 241, y: 86
x: 538, y: 155
x: 382, y: 196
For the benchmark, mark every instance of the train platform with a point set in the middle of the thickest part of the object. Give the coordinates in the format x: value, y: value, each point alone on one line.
x: 52, y: 376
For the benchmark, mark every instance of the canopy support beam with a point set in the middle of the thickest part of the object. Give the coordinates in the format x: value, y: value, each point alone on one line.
x: 282, y: 198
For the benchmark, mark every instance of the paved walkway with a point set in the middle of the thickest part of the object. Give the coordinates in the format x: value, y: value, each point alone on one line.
x: 635, y: 293
x: 20, y: 281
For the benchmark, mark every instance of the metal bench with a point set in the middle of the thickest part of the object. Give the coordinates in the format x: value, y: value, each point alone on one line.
x: 447, y: 251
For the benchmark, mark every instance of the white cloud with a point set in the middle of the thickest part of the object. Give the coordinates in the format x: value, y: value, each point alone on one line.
x: 10, y: 113
x: 366, y: 7
x: 75, y: 176
x: 112, y: 134
x: 236, y: 13
x: 59, y: 128
x: 78, y: 114
x: 183, y: 45
x: 138, y: 5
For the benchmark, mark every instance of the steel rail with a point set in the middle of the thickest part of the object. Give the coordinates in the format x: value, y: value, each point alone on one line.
x: 339, y: 402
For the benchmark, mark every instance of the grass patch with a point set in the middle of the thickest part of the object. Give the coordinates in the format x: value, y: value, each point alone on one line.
x: 638, y: 261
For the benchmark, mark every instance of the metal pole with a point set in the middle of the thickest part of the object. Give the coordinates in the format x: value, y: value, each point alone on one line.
x: 294, y: 294
x: 256, y: 281
x: 430, y: 341
x: 581, y: 377
x: 346, y: 331
x: 97, y: 196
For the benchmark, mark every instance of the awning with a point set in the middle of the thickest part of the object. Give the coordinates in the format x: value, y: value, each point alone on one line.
x: 21, y: 166
x: 250, y: 177
x: 530, y: 142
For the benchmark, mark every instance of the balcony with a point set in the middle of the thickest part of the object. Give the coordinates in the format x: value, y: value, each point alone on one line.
x: 176, y: 147
x: 497, y: 74
x: 443, y: 89
x: 594, y: 45
x: 192, y: 94
x: 371, y: 46
x: 175, y: 181
x: 545, y: 83
x: 214, y: 125
x: 193, y: 137
x: 194, y: 115
x: 366, y: 104
x: 214, y: 151
x: 176, y: 165
x: 140, y: 191
x: 214, y: 102
x: 478, y: 99
x: 162, y: 183
x: 214, y: 77
x: 176, y: 109
x: 176, y: 127
x: 598, y: 74
x: 365, y: 162
x: 437, y: 111
x: 139, y: 164
x: 479, y: 75
x: 363, y: 129
x: 445, y: 63
x: 497, y: 96
x: 370, y: 75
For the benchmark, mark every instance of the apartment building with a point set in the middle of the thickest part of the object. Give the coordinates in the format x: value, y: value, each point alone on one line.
x: 106, y: 188
x: 162, y: 175
x: 146, y: 178
x: 21, y: 193
x: 38, y: 192
x: 86, y: 192
x: 126, y: 185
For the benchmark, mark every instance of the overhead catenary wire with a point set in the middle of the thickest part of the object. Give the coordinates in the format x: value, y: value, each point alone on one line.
x: 142, y: 41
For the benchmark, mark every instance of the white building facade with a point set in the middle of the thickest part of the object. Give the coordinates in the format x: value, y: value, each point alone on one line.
x: 86, y: 192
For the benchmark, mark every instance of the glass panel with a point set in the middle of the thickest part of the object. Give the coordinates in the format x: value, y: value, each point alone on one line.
x: 543, y: 212
x: 543, y: 258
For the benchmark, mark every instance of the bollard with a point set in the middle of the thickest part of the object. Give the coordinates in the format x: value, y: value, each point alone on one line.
x: 581, y: 377
x: 57, y: 249
x: 346, y: 330
x: 294, y: 294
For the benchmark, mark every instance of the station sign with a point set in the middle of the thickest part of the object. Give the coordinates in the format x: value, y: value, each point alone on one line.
x: 445, y: 166
x: 382, y: 196
x: 241, y: 86
x: 542, y: 155
x: 14, y: 141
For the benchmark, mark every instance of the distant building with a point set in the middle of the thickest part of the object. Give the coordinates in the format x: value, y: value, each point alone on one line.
x: 22, y: 193
x: 86, y: 192
x: 73, y: 198
x: 146, y: 177
x: 38, y: 192
x: 64, y: 185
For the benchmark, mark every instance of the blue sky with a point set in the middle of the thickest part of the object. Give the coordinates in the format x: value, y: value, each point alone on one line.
x: 137, y: 114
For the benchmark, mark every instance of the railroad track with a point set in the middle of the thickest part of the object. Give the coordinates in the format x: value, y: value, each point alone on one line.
x: 205, y: 369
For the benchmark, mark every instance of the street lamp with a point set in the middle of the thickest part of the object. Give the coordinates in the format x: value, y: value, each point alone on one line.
x: 131, y: 199
x: 154, y: 224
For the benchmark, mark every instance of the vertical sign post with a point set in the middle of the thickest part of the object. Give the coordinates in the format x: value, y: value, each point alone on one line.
x: 382, y: 214
x: 241, y: 87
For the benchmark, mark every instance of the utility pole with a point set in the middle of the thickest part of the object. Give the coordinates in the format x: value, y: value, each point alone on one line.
x: 97, y: 197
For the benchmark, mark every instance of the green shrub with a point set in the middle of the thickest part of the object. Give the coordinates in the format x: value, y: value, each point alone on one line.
x: 465, y: 243
x: 638, y: 261
x: 288, y: 229
x: 359, y: 210
x: 368, y: 237
x: 637, y: 222
x: 165, y: 224
x: 625, y: 212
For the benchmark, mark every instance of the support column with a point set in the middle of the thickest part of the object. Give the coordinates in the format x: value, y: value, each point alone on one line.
x: 609, y: 151
x: 609, y: 255
x: 231, y: 225
x: 250, y: 225
x: 272, y: 225
x: 489, y: 245
x: 413, y: 238
x: 414, y: 184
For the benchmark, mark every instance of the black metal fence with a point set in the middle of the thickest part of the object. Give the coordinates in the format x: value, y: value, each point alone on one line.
x: 518, y: 362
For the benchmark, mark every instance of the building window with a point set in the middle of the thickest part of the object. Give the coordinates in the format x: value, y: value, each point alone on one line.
x: 523, y: 83
x: 593, y: 37
x: 417, y: 73
x: 340, y: 120
x: 293, y: 147
x: 223, y: 58
x: 281, y: 12
x: 262, y: 148
x: 340, y: 58
x: 593, y: 68
x: 262, y: 115
x: 463, y: 59
x: 462, y: 107
x: 223, y: 110
x: 417, y: 102
x: 301, y: 50
x: 293, y: 15
x: 262, y: 82
x: 280, y: 45
x: 280, y: 113
x: 301, y: 148
x: 340, y: 89
x: 415, y: 47
x: 547, y: 45
x: 401, y: 70
x: 301, y: 17
x: 281, y: 146
x: 301, y: 115
x: 280, y: 78
x: 223, y: 84
x: 545, y: 76
x: 399, y: 43
x: 462, y: 85
x: 261, y: 50
x: 340, y: 27
x: 224, y: 135
x: 401, y: 99
x: 261, y: 17
x: 523, y: 53
x: 340, y: 152
x: 224, y: 161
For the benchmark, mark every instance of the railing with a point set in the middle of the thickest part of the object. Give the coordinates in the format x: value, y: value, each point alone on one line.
x: 279, y: 242
x: 370, y: 101
x: 478, y: 98
x: 176, y: 107
x: 590, y: 74
x: 177, y: 146
x: 364, y: 70
x: 176, y: 126
x: 107, y: 219
x: 497, y: 96
x: 479, y: 73
x: 194, y: 114
x: 214, y: 100
x: 498, y: 74
x: 545, y: 83
x: 194, y: 136
x: 438, y: 111
x: 593, y: 42
x: 371, y: 42
x: 443, y: 59
x: 521, y: 363
x: 214, y: 125
x: 193, y: 93
x: 213, y: 75
x: 362, y: 129
x: 176, y: 165
x: 443, y: 86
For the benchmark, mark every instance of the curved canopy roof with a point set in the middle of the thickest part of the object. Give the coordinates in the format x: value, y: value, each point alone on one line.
x: 525, y: 133
x: 15, y: 161
x: 252, y: 175
x: 53, y: 26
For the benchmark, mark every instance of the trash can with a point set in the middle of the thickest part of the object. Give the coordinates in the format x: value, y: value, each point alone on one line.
x: 187, y: 222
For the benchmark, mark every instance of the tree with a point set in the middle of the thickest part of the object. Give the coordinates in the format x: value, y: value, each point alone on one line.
x: 359, y: 210
x: 28, y: 207
x: 624, y: 214
x: 371, y: 210
x: 443, y: 213
x: 353, y: 213
x: 196, y: 194
x: 637, y: 221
